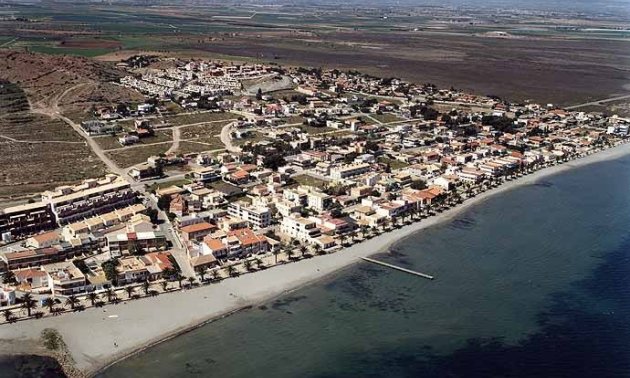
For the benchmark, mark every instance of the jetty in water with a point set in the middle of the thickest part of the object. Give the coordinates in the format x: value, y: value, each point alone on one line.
x: 423, y: 275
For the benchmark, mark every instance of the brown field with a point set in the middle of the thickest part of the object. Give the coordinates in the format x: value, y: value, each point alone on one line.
x: 562, y: 71
x: 38, y: 153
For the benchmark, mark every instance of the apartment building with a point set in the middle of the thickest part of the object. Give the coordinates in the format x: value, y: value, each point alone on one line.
x: 256, y: 216
x: 234, y: 243
x: 24, y: 220
x: 64, y: 278
x: 348, y: 170
x: 92, y: 197
x: 151, y: 266
x: 299, y: 228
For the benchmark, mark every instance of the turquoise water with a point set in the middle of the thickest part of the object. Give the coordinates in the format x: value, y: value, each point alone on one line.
x: 535, y: 282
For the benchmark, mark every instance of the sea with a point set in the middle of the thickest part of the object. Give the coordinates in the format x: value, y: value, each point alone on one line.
x: 533, y: 282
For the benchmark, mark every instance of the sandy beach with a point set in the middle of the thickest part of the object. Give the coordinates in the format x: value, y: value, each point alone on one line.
x: 92, y: 335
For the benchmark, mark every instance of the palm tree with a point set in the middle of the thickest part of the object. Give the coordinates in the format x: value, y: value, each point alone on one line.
x: 145, y: 286
x: 248, y: 265
x: 92, y: 297
x: 110, y: 294
x: 8, y: 316
x: 259, y: 264
x: 202, y: 273
x: 215, y: 275
x: 303, y: 250
x: 130, y: 290
x: 191, y: 280
x: 231, y: 270
x: 318, y: 249
x: 28, y: 303
x: 72, y: 301
x: 179, y: 279
x: 164, y: 285
x: 290, y: 253
x: 50, y: 303
x: 276, y: 252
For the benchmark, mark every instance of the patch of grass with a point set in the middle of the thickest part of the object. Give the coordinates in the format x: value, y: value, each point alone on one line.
x: 316, y: 130
x: 393, y: 163
x: 387, y: 117
x: 308, y: 180
x: 186, y: 147
x: 166, y: 184
x: 128, y: 157
x: 191, y: 118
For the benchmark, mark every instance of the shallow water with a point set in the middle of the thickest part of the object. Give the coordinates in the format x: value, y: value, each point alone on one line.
x: 533, y: 282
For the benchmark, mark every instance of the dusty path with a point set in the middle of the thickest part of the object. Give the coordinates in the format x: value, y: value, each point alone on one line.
x: 598, y: 102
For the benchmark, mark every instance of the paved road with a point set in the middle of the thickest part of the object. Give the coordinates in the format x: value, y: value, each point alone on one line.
x: 599, y: 102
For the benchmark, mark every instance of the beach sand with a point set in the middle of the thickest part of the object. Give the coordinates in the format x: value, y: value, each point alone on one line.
x: 98, y: 337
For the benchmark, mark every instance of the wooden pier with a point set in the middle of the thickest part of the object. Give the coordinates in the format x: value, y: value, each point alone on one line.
x: 423, y: 275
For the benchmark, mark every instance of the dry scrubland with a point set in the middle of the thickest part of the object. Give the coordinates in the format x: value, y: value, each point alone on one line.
x: 37, y: 152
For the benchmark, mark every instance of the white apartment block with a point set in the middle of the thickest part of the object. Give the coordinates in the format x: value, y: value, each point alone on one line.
x: 349, y: 170
x: 92, y: 197
x: 299, y: 228
x: 257, y: 216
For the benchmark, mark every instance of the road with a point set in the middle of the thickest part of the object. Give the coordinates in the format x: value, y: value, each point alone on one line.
x: 599, y: 102
x: 178, y: 251
x: 226, y: 138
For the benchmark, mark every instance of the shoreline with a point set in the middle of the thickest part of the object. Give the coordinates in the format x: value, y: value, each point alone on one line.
x: 138, y: 325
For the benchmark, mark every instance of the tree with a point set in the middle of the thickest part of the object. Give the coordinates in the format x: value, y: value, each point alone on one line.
x: 8, y: 316
x: 110, y: 294
x: 191, y: 280
x: 92, y: 297
x: 259, y: 264
x: 130, y: 290
x: 50, y: 303
x: 164, y: 285
x: 28, y: 303
x: 164, y: 202
x: 72, y: 301
x: 146, y: 286
x: 231, y: 270
x: 109, y: 268
x: 9, y: 278
x: 248, y: 265
x: 215, y: 275
x: 202, y: 273
x: 290, y: 253
x: 259, y: 94
x: 180, y: 278
x: 276, y: 252
x: 303, y: 250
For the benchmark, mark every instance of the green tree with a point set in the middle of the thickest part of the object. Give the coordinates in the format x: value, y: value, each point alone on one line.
x: 50, y: 303
x: 72, y: 301
x: 92, y: 297
x: 28, y: 303
x: 130, y: 290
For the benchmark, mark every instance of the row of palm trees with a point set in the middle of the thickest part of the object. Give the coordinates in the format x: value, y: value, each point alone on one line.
x: 73, y: 302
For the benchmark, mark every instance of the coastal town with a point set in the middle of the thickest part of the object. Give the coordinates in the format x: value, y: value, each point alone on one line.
x: 289, y: 163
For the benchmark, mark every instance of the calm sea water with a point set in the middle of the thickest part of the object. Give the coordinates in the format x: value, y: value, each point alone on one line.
x: 534, y: 282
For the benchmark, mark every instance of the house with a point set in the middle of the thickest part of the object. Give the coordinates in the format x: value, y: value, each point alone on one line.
x: 297, y: 227
x: 45, y: 240
x: 256, y: 216
x: 64, y: 278
x: 197, y: 231
x: 234, y: 243
x: 32, y: 279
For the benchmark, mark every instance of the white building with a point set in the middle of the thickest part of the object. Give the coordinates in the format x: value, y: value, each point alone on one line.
x: 257, y: 216
x: 299, y: 228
